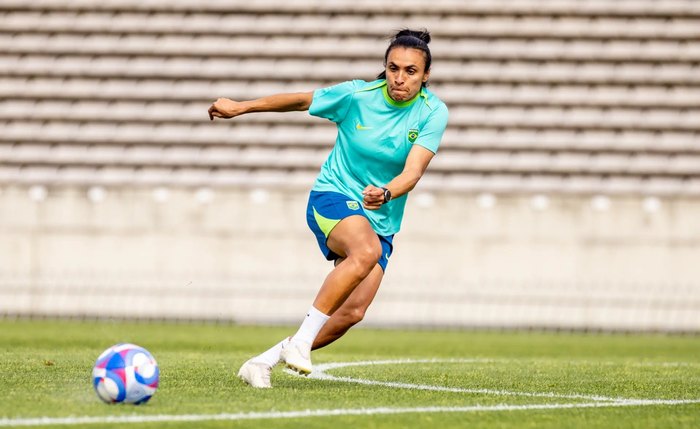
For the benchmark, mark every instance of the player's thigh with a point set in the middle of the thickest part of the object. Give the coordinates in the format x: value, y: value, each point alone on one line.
x: 353, y: 235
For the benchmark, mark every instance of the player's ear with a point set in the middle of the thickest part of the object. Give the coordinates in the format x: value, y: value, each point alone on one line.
x: 426, y: 76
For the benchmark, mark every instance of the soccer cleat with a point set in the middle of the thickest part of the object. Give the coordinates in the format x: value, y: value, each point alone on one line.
x: 297, y: 357
x: 257, y: 374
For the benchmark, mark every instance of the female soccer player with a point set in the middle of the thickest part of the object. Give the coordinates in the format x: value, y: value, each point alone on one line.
x: 388, y: 131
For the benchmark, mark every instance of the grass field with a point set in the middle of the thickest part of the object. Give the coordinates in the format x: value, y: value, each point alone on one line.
x: 446, y: 379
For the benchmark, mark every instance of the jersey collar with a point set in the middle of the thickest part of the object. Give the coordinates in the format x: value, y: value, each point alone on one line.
x: 401, y: 104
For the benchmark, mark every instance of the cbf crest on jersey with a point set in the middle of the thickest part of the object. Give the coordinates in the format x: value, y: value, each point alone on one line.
x: 353, y: 205
x: 412, y: 135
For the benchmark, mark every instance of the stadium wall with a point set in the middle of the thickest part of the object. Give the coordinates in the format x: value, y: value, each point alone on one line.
x: 246, y: 255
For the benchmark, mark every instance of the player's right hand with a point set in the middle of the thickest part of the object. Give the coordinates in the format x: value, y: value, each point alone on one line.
x: 372, y: 197
x: 225, y: 108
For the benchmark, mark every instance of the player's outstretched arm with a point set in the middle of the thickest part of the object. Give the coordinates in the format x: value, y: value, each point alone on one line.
x: 227, y: 108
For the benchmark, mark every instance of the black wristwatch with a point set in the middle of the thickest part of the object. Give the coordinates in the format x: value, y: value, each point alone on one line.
x: 387, y: 195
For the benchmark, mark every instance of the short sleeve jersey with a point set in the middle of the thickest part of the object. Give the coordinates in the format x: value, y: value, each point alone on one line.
x: 375, y: 135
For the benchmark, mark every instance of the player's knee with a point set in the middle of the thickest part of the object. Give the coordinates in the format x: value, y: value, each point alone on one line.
x: 352, y: 316
x: 366, y: 257
x: 355, y: 315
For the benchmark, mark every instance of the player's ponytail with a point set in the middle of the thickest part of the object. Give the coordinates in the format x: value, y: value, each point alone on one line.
x: 408, y: 38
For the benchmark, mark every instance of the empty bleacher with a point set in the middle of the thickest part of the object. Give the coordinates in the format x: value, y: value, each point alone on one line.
x: 562, y: 96
x: 593, y: 102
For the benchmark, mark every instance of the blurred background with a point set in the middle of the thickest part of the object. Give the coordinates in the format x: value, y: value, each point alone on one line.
x: 565, y: 195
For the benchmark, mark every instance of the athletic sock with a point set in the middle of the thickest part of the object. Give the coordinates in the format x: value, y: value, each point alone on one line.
x: 271, y: 356
x: 310, y: 327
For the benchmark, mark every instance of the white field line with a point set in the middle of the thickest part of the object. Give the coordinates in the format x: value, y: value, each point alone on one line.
x: 598, y: 402
x: 49, y: 421
x: 320, y: 373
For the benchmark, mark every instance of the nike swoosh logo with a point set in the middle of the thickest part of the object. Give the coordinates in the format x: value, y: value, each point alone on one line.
x: 362, y: 127
x: 386, y: 255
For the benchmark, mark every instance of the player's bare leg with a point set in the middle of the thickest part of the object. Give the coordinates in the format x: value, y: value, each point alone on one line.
x: 353, y: 239
x: 352, y: 311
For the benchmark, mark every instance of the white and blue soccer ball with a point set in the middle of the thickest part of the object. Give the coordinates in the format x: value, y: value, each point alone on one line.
x: 125, y: 373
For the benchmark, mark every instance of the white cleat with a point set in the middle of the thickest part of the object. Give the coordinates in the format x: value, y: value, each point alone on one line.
x: 297, y: 357
x: 257, y: 374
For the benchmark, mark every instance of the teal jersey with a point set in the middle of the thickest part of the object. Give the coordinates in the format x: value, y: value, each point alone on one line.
x: 375, y: 135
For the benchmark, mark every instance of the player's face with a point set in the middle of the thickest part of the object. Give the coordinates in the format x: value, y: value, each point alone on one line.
x: 405, y: 73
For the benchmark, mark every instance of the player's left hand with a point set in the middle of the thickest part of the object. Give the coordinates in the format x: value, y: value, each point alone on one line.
x: 373, y: 197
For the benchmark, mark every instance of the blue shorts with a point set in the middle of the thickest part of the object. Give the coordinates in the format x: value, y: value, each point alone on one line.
x: 326, y: 209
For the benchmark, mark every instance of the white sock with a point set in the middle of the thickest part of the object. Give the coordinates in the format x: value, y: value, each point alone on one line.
x: 271, y: 356
x: 310, y: 327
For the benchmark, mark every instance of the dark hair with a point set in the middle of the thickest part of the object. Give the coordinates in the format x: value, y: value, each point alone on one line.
x: 410, y: 39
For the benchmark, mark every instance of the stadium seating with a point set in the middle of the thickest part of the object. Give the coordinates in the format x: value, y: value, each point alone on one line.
x: 595, y: 102
x: 556, y: 89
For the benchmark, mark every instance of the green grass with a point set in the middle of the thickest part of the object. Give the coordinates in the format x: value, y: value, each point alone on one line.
x: 45, y: 372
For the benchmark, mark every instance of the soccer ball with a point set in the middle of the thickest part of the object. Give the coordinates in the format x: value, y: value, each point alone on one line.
x: 125, y: 373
